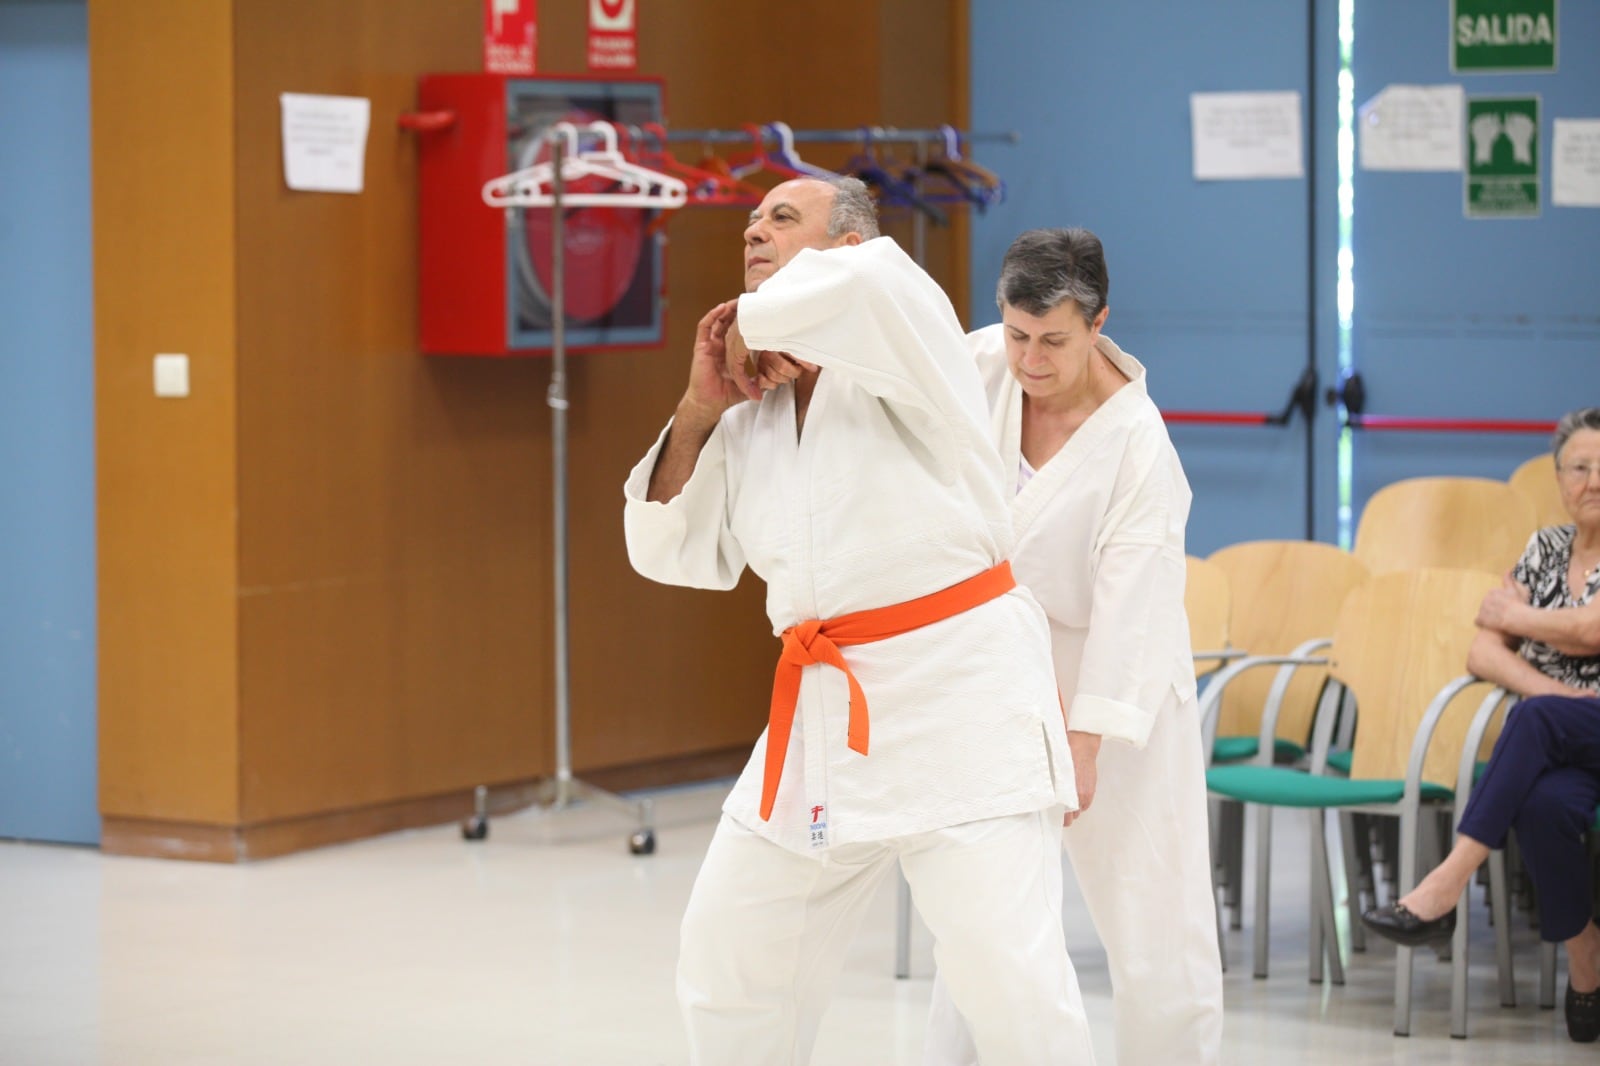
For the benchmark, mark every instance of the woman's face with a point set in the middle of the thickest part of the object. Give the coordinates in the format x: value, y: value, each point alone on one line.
x: 1578, y: 474
x: 1049, y: 354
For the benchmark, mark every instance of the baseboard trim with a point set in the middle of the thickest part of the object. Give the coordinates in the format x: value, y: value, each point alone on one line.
x: 153, y: 838
x: 201, y: 842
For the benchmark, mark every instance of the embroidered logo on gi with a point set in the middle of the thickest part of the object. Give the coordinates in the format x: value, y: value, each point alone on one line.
x: 819, y: 827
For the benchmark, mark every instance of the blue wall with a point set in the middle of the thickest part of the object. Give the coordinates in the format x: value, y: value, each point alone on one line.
x: 1470, y: 318
x: 47, y: 491
x: 1210, y: 281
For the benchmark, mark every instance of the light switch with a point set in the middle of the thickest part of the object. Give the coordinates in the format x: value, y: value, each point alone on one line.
x: 172, y: 375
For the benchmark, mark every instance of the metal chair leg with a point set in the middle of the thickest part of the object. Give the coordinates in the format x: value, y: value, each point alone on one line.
x: 1500, y: 908
x: 902, y: 928
x: 1348, y: 837
x: 1325, y: 930
x: 1263, y: 884
x: 1407, y: 855
x: 1231, y: 855
x: 1458, y: 970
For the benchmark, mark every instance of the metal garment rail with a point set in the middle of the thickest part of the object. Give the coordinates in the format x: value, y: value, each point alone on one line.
x: 860, y: 134
x: 1404, y: 424
x: 922, y: 139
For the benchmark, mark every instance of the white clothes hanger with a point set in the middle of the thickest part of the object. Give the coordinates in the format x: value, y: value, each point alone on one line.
x: 637, y: 186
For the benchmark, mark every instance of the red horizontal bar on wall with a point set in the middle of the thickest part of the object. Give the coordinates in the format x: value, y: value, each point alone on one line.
x: 1450, y: 425
x: 1218, y: 418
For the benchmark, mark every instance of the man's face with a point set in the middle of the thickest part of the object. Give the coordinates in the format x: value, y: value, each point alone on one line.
x: 793, y: 216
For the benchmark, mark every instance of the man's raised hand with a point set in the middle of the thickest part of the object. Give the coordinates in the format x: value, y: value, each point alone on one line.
x: 711, y: 389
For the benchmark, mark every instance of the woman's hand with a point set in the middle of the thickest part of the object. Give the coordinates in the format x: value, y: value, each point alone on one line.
x: 1085, y: 748
x: 1502, y: 608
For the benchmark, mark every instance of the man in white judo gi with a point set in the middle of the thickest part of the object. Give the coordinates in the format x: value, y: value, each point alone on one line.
x: 914, y: 715
x: 1100, y: 506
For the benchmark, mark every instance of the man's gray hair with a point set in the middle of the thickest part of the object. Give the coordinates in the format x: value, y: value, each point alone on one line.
x: 1044, y: 268
x: 1571, y: 422
x: 853, y: 209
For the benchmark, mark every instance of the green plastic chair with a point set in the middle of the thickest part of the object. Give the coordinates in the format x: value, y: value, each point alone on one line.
x: 1398, y: 647
x: 1285, y: 593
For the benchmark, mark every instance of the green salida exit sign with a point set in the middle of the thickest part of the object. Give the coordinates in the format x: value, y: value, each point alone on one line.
x: 1487, y: 36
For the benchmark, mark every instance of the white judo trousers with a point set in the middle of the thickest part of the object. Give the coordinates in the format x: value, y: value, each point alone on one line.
x: 1142, y: 858
x: 767, y: 929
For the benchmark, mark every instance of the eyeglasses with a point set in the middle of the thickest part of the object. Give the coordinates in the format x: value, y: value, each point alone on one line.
x: 1576, y: 473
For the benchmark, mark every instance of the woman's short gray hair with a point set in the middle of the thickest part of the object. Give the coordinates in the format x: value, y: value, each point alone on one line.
x: 1044, y: 268
x: 1571, y: 422
x: 854, y: 210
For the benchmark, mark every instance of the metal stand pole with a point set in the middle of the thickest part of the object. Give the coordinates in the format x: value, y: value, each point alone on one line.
x: 556, y: 397
x: 564, y: 789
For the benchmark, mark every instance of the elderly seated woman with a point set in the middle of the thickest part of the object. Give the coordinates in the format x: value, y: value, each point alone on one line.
x: 1539, y: 636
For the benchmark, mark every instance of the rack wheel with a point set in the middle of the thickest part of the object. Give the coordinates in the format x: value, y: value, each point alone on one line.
x: 643, y: 842
x: 475, y: 828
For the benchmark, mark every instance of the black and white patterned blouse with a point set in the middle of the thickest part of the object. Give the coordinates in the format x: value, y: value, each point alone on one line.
x: 1542, y: 570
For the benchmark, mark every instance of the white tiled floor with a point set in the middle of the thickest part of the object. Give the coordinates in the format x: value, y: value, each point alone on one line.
x: 549, y: 945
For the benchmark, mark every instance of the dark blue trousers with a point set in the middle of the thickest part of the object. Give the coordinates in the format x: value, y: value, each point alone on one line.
x: 1543, y: 780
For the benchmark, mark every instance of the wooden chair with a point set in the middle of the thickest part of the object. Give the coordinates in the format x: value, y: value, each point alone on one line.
x: 1470, y: 523
x: 1536, y: 479
x: 1284, y: 593
x: 1286, y: 597
x: 1208, y: 602
x: 1398, y: 648
x: 1452, y: 522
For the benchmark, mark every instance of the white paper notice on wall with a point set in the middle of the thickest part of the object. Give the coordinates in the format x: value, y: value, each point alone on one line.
x: 1575, y: 163
x: 1240, y: 136
x: 325, y: 141
x: 1412, y: 127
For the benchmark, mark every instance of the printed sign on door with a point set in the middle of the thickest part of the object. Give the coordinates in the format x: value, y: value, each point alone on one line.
x: 1502, y: 171
x: 1492, y: 36
x: 613, y: 35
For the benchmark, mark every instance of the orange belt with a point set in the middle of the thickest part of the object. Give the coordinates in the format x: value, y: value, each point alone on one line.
x: 816, y: 641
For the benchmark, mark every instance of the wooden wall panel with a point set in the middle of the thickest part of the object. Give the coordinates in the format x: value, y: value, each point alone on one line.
x: 394, y: 544
x: 161, y: 113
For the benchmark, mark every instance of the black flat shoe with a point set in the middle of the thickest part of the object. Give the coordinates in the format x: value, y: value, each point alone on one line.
x: 1395, y: 922
x: 1583, y: 1015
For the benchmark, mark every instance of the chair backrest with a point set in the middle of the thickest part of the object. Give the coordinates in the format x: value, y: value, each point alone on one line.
x: 1207, y: 602
x: 1465, y: 523
x: 1536, y: 479
x: 1285, y: 592
x: 1403, y: 636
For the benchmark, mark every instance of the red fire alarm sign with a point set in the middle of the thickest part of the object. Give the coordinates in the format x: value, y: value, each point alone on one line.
x: 510, y: 34
x: 613, y: 35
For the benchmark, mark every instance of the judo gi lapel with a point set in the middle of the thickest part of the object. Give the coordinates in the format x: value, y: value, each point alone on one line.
x: 1050, y: 478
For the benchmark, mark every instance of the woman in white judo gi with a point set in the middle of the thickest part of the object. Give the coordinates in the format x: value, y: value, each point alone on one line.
x: 865, y: 491
x: 1099, y: 514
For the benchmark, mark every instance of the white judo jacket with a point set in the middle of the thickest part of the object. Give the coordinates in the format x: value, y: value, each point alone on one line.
x: 1106, y: 561
x: 893, y: 492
